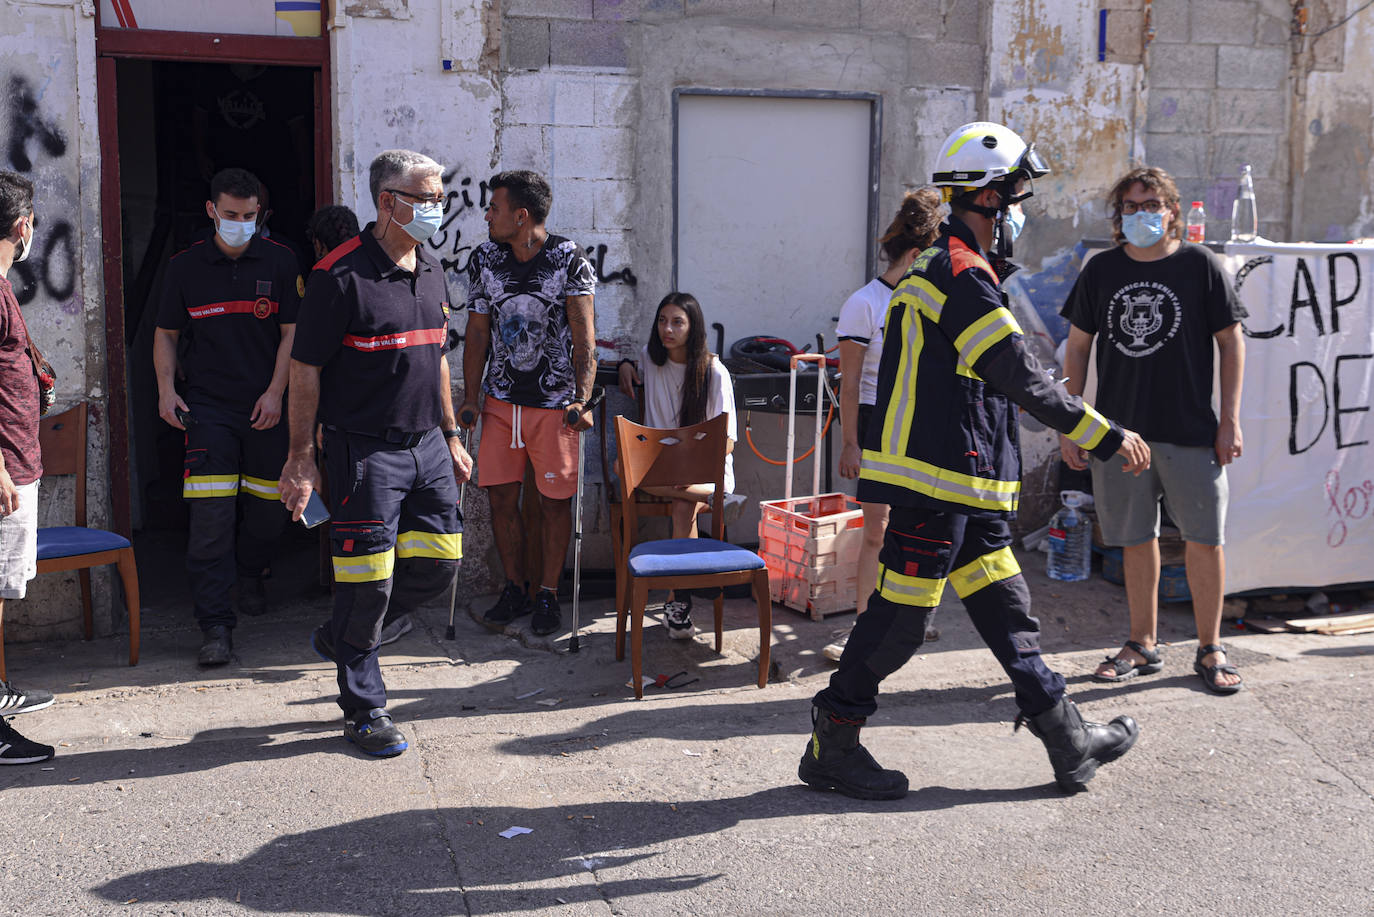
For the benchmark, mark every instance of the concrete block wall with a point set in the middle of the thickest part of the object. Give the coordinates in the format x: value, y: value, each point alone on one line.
x: 1218, y: 85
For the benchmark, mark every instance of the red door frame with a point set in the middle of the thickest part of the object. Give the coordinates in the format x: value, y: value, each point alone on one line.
x: 149, y: 44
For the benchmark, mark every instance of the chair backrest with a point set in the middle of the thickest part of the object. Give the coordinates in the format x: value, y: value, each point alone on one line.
x: 654, y: 457
x: 62, y: 440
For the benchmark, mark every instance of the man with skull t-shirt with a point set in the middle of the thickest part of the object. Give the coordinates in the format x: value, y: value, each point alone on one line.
x: 530, y: 324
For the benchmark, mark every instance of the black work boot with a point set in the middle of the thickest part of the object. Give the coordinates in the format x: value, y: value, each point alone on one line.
x: 1077, y: 747
x: 252, y: 596
x: 834, y: 760
x: 513, y: 603
x: 218, y: 645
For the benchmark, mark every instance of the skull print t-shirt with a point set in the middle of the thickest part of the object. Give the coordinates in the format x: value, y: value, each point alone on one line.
x: 1154, y: 322
x: 531, y: 343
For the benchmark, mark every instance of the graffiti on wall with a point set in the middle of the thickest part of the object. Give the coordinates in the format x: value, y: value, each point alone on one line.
x: 462, y: 230
x: 33, y: 138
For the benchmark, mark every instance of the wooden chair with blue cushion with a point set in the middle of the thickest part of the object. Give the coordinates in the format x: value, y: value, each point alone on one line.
x: 76, y: 547
x: 651, y: 457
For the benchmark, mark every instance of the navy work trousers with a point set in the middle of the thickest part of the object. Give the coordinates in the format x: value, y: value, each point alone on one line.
x: 396, y: 539
x: 922, y: 551
x: 227, y: 459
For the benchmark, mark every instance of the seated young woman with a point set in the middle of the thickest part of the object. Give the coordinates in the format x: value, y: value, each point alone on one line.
x: 684, y: 384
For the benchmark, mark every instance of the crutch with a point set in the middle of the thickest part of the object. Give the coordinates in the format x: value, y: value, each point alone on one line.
x: 464, y: 437
x: 571, y: 417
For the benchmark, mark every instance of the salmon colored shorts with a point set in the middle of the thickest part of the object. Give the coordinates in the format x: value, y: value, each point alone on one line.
x: 511, y: 432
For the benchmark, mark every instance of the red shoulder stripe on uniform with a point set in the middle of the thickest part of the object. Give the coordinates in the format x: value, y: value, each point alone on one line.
x: 397, y: 340
x: 962, y: 258
x: 187, y: 249
x: 285, y: 248
x: 344, y: 248
x: 259, y: 307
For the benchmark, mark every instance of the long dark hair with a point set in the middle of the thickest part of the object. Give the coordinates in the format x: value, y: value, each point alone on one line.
x: 696, y: 382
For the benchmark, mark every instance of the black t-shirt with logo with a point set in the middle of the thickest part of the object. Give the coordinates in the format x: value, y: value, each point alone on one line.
x: 531, y: 343
x: 379, y: 332
x: 1154, y: 322
x: 231, y: 311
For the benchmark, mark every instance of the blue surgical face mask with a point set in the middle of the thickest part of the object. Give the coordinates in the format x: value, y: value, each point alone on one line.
x: 1014, y: 221
x: 234, y: 233
x: 1143, y: 229
x: 424, y: 221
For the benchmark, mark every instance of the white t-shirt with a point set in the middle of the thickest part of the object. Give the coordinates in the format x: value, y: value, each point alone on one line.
x: 861, y: 320
x: 663, y: 399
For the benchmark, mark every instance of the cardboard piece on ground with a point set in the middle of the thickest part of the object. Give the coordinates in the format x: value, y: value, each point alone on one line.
x: 1267, y: 625
x: 1311, y: 624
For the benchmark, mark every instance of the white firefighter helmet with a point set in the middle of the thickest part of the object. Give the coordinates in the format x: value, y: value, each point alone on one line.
x: 982, y: 153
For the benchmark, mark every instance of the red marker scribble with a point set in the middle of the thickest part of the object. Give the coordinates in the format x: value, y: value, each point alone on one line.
x: 1351, y: 504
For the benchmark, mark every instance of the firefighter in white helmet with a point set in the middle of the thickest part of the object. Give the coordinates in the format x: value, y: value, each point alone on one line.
x: 943, y: 453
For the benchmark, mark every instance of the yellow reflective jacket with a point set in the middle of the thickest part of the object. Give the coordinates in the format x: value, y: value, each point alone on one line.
x: 954, y: 367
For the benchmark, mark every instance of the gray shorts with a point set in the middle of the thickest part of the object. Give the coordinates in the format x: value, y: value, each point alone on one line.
x: 19, y: 544
x: 1189, y: 479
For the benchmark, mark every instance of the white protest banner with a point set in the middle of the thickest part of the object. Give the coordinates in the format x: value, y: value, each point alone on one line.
x: 1302, y: 496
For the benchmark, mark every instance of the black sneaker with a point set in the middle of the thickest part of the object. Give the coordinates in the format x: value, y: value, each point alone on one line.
x: 513, y: 603
x: 547, y: 616
x: 322, y: 639
x: 14, y: 699
x: 15, y: 749
x: 252, y: 596
x: 218, y: 646
x: 373, y: 732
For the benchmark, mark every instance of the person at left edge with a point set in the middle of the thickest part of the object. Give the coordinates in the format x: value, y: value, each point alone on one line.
x: 370, y: 359
x: 235, y: 297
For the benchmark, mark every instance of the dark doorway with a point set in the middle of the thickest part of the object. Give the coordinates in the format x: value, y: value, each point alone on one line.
x: 179, y: 123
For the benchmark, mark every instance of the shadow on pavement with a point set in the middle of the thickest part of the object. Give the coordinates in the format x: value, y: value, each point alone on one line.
x: 429, y: 862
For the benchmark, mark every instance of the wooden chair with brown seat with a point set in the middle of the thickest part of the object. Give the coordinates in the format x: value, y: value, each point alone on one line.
x: 664, y: 458
x: 77, y: 547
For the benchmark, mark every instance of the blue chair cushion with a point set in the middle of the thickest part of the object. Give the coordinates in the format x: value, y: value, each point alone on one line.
x: 71, y: 540
x: 690, y: 557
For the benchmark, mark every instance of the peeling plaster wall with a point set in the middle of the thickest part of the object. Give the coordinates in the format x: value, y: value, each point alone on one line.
x: 1336, y: 125
x: 48, y: 133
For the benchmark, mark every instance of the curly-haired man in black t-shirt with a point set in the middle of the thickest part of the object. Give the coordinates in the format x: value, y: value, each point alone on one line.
x: 1155, y: 304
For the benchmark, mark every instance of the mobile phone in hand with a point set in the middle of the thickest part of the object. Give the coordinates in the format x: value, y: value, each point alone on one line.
x: 184, y: 416
x: 315, y: 511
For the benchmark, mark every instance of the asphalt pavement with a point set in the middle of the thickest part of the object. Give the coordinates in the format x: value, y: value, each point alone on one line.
x: 181, y: 790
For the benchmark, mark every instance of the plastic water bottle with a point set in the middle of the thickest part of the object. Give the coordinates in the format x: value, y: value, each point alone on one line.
x: 1070, y: 559
x: 1244, y: 215
x: 1197, y: 223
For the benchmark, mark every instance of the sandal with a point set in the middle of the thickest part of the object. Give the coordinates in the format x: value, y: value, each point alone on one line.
x: 1125, y: 670
x: 1209, y: 673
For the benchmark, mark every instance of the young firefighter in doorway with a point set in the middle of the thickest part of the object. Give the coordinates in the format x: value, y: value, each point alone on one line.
x: 236, y: 297
x: 945, y: 458
x: 860, y: 330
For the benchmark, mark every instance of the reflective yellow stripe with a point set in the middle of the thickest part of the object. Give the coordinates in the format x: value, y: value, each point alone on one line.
x: 209, y: 485
x: 909, y: 590
x: 901, y: 406
x: 986, y: 570
x: 429, y: 544
x: 364, y: 568
x: 921, y: 294
x: 968, y: 135
x: 962, y: 369
x: 1091, y: 429
x: 259, y: 487
x: 940, y: 483
x: 982, y: 334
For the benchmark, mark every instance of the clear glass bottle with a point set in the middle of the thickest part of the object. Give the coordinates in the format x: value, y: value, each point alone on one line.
x: 1197, y: 223
x: 1244, y: 214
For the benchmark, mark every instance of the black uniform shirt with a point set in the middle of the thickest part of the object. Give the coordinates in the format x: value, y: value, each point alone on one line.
x: 232, y: 311
x: 379, y: 333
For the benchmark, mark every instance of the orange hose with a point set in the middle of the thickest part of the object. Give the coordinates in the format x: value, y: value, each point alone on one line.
x: 749, y: 438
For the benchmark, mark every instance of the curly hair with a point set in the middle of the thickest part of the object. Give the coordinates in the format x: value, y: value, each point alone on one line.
x: 1153, y: 179
x: 331, y: 226
x: 916, y: 224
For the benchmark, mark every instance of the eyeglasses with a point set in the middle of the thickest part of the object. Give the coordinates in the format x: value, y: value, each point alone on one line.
x: 421, y: 198
x: 1150, y: 206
